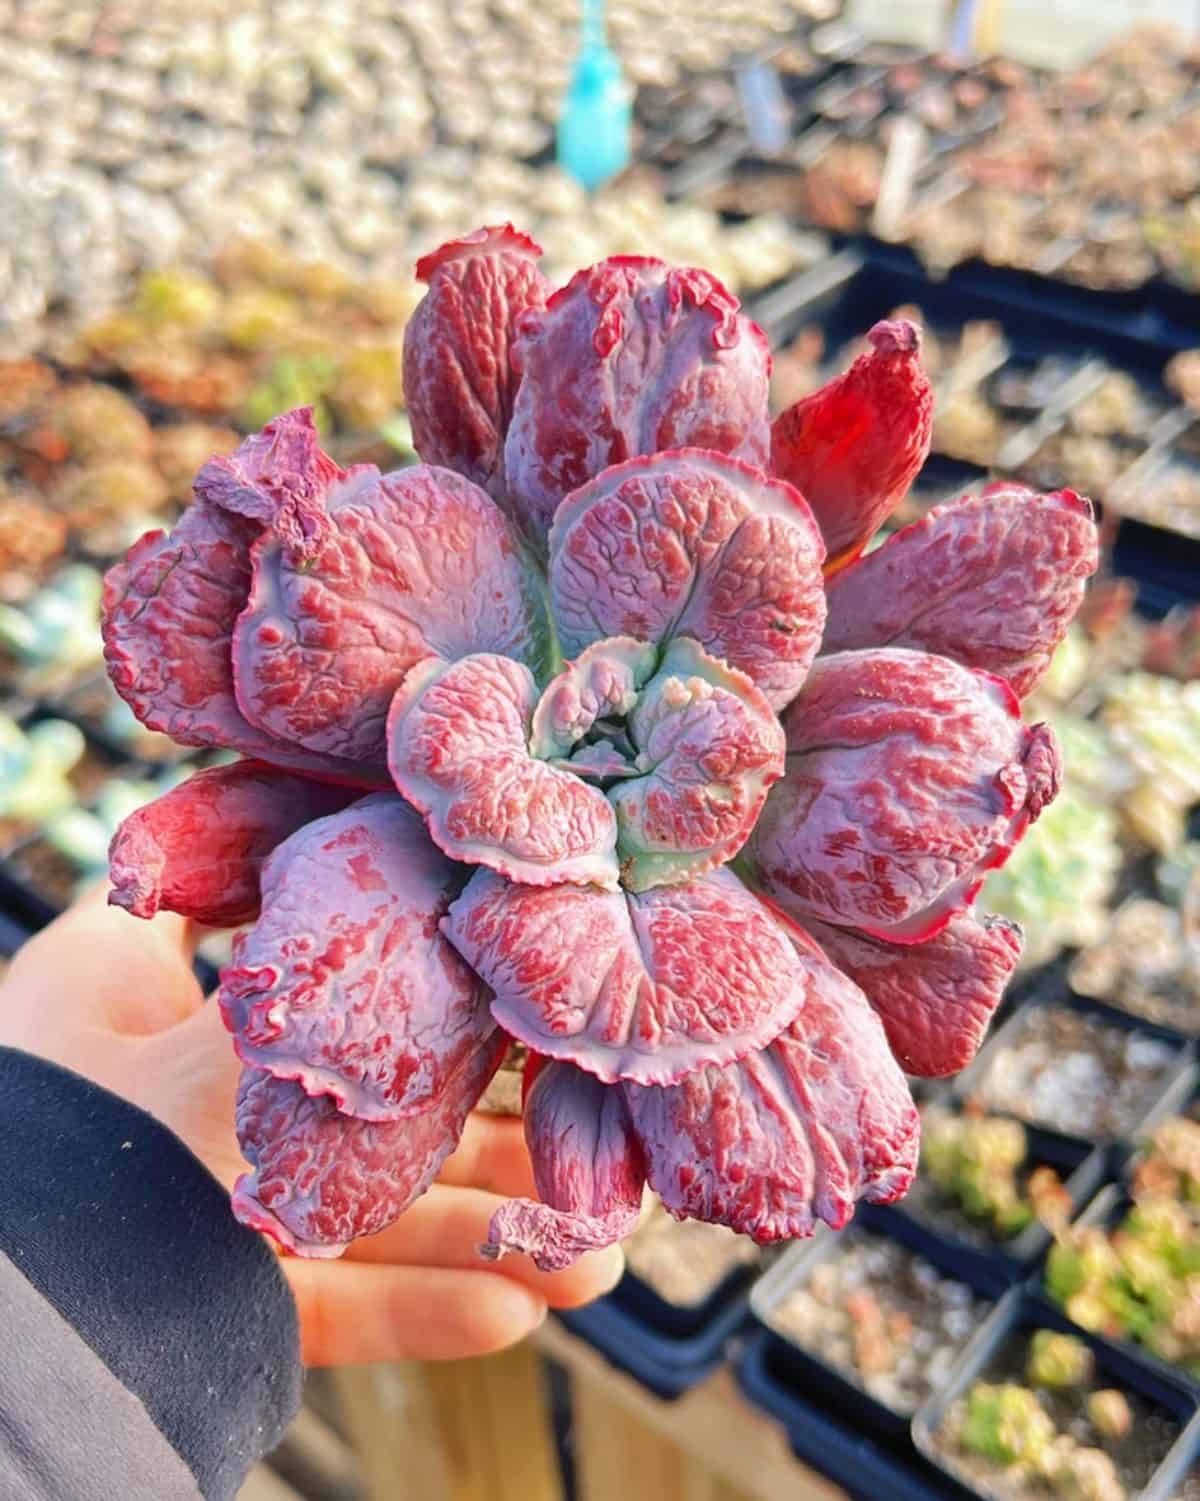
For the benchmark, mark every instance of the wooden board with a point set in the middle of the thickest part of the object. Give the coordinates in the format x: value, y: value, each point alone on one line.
x: 468, y: 1430
x: 710, y: 1445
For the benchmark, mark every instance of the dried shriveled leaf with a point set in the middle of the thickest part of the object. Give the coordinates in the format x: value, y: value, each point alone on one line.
x: 909, y: 777
x: 458, y: 750
x: 459, y: 383
x: 645, y: 987
x: 345, y: 984
x: 708, y: 748
x: 588, y: 1168
x: 199, y: 849
x: 693, y: 544
x: 631, y: 357
x: 320, y: 1179
x: 794, y: 1134
x: 935, y: 999
x: 991, y: 580
x: 854, y: 447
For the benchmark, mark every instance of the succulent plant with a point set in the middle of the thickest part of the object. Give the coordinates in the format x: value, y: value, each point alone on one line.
x: 1058, y: 1360
x: 1155, y: 722
x: 35, y: 767
x: 1006, y: 1424
x: 1170, y: 1166
x: 55, y: 634
x: 1140, y: 1281
x: 97, y: 423
x: 1109, y: 1413
x: 113, y: 490
x: 976, y: 1160
x: 480, y: 840
x: 1086, y: 1474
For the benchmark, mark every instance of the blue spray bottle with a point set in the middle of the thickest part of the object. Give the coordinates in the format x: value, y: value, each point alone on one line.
x: 597, y: 115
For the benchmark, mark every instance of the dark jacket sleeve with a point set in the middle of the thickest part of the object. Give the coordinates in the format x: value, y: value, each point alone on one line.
x: 150, y: 1342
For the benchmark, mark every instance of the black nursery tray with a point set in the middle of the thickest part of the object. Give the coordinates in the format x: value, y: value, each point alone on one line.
x: 844, y: 295
x: 852, y: 1458
x: 804, y: 1372
x: 668, y: 1347
x: 1158, y: 1395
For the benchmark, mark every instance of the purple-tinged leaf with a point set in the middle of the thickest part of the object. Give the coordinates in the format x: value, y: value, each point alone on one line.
x: 708, y: 748
x: 992, y: 580
x: 413, y: 564
x: 909, y: 778
x: 935, y: 999
x: 459, y: 382
x: 645, y: 987
x: 631, y: 357
x: 458, y: 750
x: 320, y: 1179
x: 588, y: 1168
x: 794, y: 1134
x: 602, y: 682
x: 345, y: 984
x: 693, y: 544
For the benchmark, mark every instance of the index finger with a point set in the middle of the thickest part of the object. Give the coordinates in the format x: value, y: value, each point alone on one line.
x: 492, y: 1154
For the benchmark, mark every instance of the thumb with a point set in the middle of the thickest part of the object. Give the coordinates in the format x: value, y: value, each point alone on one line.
x: 189, y: 1075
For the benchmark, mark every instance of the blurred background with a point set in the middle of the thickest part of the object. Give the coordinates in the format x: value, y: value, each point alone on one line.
x: 210, y: 212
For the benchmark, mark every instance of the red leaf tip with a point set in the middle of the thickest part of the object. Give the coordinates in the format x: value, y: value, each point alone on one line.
x: 895, y: 336
x: 490, y: 239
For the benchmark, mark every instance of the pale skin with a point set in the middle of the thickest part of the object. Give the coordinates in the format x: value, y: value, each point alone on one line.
x: 115, y: 999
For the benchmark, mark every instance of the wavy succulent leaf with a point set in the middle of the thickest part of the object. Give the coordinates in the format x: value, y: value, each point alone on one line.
x: 587, y: 1166
x: 458, y: 748
x: 345, y: 984
x: 908, y: 778
x: 992, y: 580
x: 320, y: 1179
x: 407, y: 565
x: 199, y: 848
x: 708, y: 748
x: 935, y: 999
x: 646, y: 987
x: 632, y: 356
x: 693, y: 544
x: 795, y: 1133
x: 459, y: 381
x: 854, y: 447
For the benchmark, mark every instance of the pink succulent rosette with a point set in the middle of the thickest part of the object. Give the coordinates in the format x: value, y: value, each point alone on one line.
x: 572, y: 735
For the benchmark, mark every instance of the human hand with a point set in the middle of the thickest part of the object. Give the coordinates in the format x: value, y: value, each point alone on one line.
x: 115, y: 999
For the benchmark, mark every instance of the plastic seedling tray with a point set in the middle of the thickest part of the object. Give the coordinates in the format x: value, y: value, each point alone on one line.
x: 1082, y: 1169
x: 969, y: 1084
x: 1177, y: 992
x: 668, y: 1347
x: 1021, y: 1312
x: 1173, y: 1101
x: 802, y: 1371
x: 865, y: 1469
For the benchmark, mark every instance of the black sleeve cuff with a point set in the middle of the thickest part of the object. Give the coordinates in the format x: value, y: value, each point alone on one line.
x: 129, y: 1236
